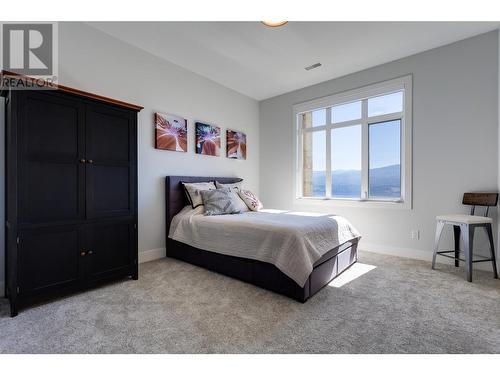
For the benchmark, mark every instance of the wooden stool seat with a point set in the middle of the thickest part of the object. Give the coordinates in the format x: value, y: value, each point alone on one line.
x: 464, y: 227
x: 464, y: 219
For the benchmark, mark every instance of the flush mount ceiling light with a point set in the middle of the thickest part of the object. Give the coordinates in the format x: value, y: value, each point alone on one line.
x: 274, y: 23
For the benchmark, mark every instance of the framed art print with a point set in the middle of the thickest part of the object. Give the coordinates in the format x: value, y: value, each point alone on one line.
x: 236, y: 145
x: 171, y: 132
x: 207, y: 139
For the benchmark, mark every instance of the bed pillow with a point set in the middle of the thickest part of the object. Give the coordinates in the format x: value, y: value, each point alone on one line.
x: 250, y: 200
x: 193, y: 190
x: 220, y: 202
x: 237, y: 186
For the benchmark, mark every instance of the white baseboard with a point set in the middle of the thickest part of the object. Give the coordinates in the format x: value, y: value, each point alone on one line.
x: 396, y: 251
x: 2, y: 289
x: 153, y: 254
x: 414, y: 254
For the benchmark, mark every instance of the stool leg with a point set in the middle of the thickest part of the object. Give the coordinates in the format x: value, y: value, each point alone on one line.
x: 468, y: 238
x: 439, y: 230
x: 456, y: 235
x: 492, y: 250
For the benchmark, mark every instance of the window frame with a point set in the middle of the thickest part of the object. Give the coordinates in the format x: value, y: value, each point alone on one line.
x: 362, y: 94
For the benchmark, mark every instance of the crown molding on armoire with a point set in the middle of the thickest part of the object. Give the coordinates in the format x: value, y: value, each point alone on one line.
x: 70, y: 90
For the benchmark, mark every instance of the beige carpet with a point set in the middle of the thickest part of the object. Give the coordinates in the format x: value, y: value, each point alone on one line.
x: 401, y: 306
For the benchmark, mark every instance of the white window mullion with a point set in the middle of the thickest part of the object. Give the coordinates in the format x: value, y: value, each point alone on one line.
x: 385, y: 118
x: 364, y: 149
x: 345, y: 124
x: 315, y: 129
x: 328, y: 172
x: 299, y: 170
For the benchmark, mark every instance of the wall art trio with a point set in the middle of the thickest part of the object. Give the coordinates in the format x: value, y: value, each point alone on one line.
x: 171, y: 134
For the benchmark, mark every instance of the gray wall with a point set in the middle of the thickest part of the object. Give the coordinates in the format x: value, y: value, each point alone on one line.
x: 455, y: 142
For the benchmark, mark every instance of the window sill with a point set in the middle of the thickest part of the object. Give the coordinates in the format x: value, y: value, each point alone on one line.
x: 353, y: 202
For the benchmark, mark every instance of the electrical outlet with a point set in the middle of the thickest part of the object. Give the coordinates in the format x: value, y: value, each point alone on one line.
x: 415, y: 234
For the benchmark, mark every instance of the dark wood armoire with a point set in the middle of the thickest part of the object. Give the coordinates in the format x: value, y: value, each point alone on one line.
x: 71, y: 192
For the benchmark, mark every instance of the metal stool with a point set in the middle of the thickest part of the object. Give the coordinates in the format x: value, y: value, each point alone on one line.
x: 465, y: 225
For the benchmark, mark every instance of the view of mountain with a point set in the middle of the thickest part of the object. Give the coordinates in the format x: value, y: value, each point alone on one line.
x: 384, y: 182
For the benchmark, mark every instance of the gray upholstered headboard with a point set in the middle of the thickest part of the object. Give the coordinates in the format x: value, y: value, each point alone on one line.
x: 175, y: 197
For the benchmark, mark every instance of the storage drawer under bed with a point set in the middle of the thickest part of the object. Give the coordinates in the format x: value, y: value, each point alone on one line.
x: 331, y: 268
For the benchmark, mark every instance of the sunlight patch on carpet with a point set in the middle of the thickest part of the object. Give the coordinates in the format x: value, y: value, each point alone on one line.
x: 352, y: 273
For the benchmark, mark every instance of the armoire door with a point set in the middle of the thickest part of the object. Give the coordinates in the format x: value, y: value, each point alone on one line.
x: 49, y: 258
x: 109, y: 247
x: 110, y: 161
x: 51, y: 146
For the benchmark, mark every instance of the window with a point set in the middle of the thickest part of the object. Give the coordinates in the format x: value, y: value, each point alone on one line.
x: 384, y: 160
x: 356, y: 146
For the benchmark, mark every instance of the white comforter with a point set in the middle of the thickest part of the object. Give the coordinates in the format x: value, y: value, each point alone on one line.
x: 292, y: 241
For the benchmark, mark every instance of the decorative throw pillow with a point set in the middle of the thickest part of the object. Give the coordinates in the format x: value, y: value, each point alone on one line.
x: 220, y: 202
x: 237, y: 186
x: 250, y: 200
x: 194, y: 189
x: 238, y: 202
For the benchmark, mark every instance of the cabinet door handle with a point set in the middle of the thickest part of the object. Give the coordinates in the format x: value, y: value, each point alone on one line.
x: 82, y: 161
x: 90, y: 161
x: 90, y: 252
x: 82, y: 253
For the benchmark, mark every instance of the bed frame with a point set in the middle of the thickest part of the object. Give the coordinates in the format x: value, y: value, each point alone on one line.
x: 258, y: 273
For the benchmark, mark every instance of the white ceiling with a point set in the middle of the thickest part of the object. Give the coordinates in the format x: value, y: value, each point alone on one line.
x: 262, y: 62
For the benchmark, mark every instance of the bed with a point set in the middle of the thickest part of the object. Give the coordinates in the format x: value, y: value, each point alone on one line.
x: 260, y: 273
